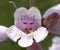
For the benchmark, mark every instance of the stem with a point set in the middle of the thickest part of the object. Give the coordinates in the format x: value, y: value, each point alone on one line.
x: 13, y: 4
x: 31, y: 3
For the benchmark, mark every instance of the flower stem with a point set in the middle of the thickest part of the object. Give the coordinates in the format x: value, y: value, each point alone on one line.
x: 31, y: 3
x: 34, y: 46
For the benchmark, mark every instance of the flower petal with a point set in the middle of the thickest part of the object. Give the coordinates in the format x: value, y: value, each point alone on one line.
x: 13, y: 33
x: 40, y: 34
x: 55, y: 44
x: 54, y: 47
x: 25, y: 41
x: 3, y: 35
x: 19, y: 13
x: 55, y: 9
x: 58, y: 48
x: 56, y: 40
x: 34, y: 12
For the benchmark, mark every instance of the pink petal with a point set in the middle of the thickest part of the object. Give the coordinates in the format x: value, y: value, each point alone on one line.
x: 35, y: 12
x: 19, y: 13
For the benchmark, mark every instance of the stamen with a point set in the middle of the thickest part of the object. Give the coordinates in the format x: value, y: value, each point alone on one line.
x: 13, y: 4
x: 30, y: 31
x: 27, y: 31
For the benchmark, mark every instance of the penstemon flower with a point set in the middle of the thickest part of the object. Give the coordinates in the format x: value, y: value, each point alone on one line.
x: 52, y: 19
x: 3, y: 35
x: 27, y: 27
x: 55, y: 44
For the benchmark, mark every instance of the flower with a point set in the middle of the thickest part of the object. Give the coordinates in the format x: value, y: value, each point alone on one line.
x: 27, y: 27
x: 55, y: 44
x: 52, y: 19
x: 3, y: 35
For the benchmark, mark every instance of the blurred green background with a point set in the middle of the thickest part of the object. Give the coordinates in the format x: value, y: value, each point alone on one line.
x: 6, y: 18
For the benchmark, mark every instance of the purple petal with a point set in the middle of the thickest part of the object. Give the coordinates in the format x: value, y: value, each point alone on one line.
x: 30, y: 19
x: 55, y: 13
x: 34, y: 46
x: 35, y: 12
x: 27, y: 24
x: 19, y: 13
x: 3, y: 35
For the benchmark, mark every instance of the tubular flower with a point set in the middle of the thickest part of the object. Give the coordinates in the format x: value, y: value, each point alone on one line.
x: 52, y: 19
x: 27, y: 27
x: 3, y: 35
x: 55, y: 44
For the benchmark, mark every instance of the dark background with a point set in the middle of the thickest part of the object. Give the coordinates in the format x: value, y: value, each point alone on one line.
x: 6, y: 18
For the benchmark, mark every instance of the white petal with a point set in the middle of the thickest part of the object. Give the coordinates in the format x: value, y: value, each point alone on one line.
x: 34, y: 11
x: 54, y: 47
x: 13, y: 33
x: 56, y: 40
x: 3, y: 35
x: 54, y: 9
x: 55, y: 44
x: 40, y: 34
x: 25, y: 41
x: 20, y: 12
x: 58, y: 48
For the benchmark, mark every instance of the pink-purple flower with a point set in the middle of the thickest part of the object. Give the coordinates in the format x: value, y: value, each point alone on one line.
x: 52, y: 19
x: 27, y: 27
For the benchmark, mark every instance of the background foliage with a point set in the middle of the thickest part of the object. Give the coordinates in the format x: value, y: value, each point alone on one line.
x: 6, y: 18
